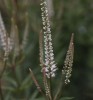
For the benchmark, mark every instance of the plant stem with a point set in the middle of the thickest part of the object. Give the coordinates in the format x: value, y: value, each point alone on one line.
x: 57, y: 96
x: 15, y: 6
x: 51, y: 89
x: 1, y: 94
x: 36, y: 83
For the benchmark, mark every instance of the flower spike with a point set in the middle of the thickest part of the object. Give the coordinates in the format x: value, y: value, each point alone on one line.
x: 51, y: 67
x: 67, y: 69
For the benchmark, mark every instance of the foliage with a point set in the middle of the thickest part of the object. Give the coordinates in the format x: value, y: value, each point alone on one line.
x: 69, y: 16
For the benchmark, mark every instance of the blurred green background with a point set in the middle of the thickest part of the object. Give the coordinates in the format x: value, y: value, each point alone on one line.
x: 69, y: 16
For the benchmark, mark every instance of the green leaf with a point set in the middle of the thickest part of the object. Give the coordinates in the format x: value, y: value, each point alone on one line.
x: 8, y: 95
x: 33, y: 95
x: 26, y: 82
x: 8, y: 88
x: 11, y: 81
x: 67, y: 98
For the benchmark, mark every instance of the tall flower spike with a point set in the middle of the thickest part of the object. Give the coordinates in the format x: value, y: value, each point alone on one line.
x: 4, y: 38
x: 51, y: 67
x: 67, y: 69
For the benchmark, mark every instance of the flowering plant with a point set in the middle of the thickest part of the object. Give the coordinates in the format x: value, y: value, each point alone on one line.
x: 47, y: 61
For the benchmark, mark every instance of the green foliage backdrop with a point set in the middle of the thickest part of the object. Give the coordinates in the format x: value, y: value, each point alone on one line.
x: 70, y: 16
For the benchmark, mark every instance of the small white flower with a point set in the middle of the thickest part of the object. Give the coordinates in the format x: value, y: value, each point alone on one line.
x: 52, y: 58
x: 46, y: 11
x: 54, y: 70
x: 51, y: 54
x: 47, y: 62
x: 46, y: 69
x: 48, y: 75
x: 53, y: 75
x: 44, y: 28
x: 50, y: 43
x: 52, y: 62
x: 53, y: 66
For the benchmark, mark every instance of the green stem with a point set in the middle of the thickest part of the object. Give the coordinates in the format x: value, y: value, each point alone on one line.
x: 1, y: 74
x: 51, y: 89
x: 1, y: 94
x: 57, y: 96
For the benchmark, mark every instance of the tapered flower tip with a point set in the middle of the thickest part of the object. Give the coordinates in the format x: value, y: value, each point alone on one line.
x: 72, y: 38
x: 30, y: 70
